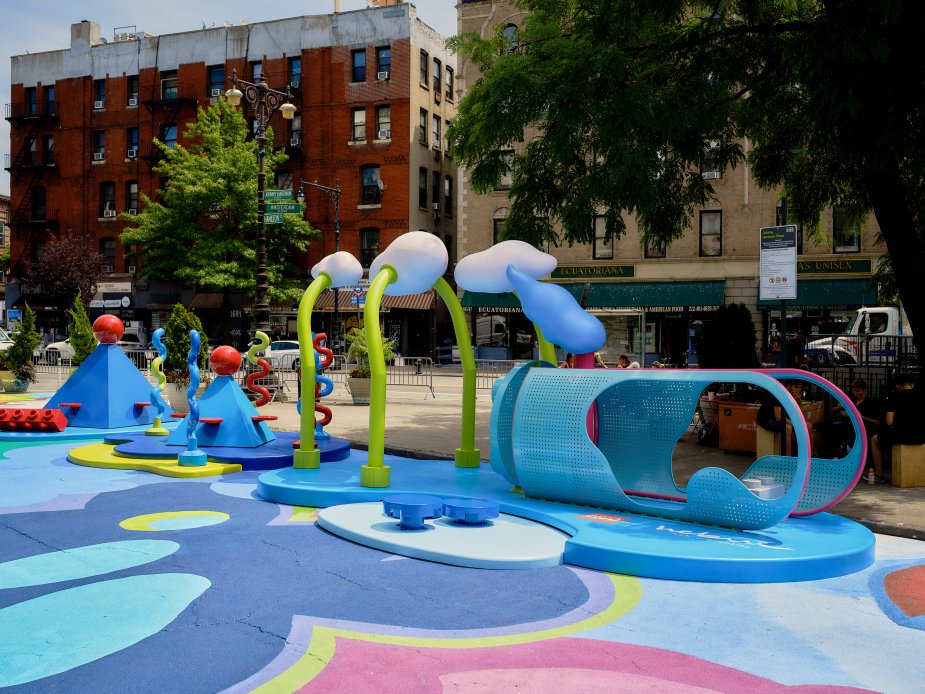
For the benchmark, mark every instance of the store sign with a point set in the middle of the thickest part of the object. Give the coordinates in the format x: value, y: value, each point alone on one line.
x: 655, y: 309
x: 593, y: 271
x: 778, y: 263
x: 835, y: 267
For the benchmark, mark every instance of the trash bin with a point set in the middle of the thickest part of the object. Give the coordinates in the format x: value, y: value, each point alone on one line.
x: 738, y: 426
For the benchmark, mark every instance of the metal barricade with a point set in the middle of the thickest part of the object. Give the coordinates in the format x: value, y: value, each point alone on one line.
x: 487, y: 371
x: 411, y: 371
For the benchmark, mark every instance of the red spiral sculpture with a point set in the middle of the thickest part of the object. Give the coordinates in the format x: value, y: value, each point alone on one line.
x: 263, y: 373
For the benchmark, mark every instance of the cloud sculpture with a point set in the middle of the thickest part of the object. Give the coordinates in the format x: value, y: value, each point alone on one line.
x: 484, y: 271
x: 558, y: 315
x: 419, y: 258
x: 341, y: 267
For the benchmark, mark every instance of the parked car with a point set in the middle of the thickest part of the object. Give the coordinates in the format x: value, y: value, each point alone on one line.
x: 5, y: 340
x: 283, y: 355
x: 137, y: 351
x: 56, y: 351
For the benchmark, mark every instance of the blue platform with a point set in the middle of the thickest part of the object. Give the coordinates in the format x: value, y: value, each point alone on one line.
x: 78, y: 433
x: 797, y: 549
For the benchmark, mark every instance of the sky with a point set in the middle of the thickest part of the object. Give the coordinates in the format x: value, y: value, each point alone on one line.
x: 46, y: 26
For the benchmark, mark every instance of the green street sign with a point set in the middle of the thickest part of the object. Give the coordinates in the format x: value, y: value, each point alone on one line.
x: 273, y: 218
x: 277, y: 195
x: 283, y: 207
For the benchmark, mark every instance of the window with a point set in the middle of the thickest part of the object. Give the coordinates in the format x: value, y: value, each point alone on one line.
x: 449, y: 82
x: 422, y: 127
x: 30, y: 146
x: 603, y: 243
x: 779, y: 222
x: 99, y: 145
x: 131, y: 195
x: 49, y: 97
x: 422, y: 187
x: 284, y: 180
x: 38, y: 251
x: 446, y: 137
x: 131, y: 85
x: 369, y: 246
x: 358, y: 124
x: 295, y: 72
x: 256, y: 70
x: 169, y: 135
x: 708, y: 168
x: 438, y: 72
x: 371, y: 191
x: 31, y: 105
x: 99, y: 94
x: 424, y: 68
x: 107, y: 199
x: 108, y: 251
x: 295, y: 131
x: 131, y: 142
x: 49, y: 149
x: 169, y: 84
x: 383, y: 122
x: 711, y: 234
x: 448, y: 195
x: 847, y: 240
x: 39, y: 210
x: 508, y: 157
x: 497, y: 230
x: 215, y: 78
x: 384, y: 59
x: 435, y: 188
x: 511, y: 39
x: 435, y: 131
x: 358, y: 60
x: 654, y: 249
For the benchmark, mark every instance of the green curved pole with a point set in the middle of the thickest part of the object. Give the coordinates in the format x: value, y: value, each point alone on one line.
x: 467, y: 455
x: 307, y: 456
x: 547, y: 349
x: 376, y: 473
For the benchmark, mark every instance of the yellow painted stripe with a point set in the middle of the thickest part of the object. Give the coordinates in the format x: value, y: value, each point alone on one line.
x: 102, y: 455
x: 143, y: 523
x: 303, y: 514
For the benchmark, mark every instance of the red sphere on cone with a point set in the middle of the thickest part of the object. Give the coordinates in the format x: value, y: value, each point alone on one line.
x: 108, y: 329
x: 225, y: 360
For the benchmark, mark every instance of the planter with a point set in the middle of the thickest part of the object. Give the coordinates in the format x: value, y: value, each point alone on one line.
x: 359, y: 389
x: 176, y: 396
x: 13, y: 384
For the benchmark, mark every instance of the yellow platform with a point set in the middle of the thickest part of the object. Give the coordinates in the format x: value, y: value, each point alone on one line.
x: 103, y: 455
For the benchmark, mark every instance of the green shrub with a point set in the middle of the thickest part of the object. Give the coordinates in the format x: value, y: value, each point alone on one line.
x: 177, y: 342
x: 80, y: 331
x: 359, y: 351
x: 18, y: 358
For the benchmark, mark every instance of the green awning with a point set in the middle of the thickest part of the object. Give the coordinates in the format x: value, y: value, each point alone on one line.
x: 656, y: 297
x: 827, y: 294
x: 507, y: 302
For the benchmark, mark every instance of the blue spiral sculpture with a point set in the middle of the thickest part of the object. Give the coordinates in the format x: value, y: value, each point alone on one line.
x: 157, y: 429
x: 192, y: 455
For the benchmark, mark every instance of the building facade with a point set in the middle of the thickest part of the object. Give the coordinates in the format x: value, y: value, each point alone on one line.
x: 374, y: 88
x: 654, y: 301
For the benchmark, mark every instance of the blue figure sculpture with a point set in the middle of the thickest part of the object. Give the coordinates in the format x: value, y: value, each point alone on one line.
x: 157, y: 429
x: 192, y: 455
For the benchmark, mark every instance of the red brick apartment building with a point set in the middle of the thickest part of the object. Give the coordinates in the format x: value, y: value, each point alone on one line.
x: 375, y: 91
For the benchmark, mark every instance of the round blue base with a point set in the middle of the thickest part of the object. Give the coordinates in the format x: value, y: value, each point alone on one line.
x: 269, y: 456
x: 798, y: 549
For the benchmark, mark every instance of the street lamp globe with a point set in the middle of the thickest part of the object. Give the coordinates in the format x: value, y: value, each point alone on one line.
x: 233, y: 96
x: 288, y: 110
x: 300, y: 195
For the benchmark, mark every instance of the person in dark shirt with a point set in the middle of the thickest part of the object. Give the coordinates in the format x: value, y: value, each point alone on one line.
x: 903, y: 421
x: 796, y: 351
x: 871, y: 411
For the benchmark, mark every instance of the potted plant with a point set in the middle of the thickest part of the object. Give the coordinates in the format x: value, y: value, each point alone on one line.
x: 177, y: 342
x: 17, y: 360
x: 358, y: 378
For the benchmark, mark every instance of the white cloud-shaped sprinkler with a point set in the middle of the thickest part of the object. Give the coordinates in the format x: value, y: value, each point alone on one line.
x: 419, y: 258
x: 341, y: 267
x: 485, y: 271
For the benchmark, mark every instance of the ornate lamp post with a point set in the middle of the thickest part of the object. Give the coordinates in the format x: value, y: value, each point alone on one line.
x: 334, y: 195
x: 265, y: 102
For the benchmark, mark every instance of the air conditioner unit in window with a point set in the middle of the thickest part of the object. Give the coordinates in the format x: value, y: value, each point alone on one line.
x: 295, y: 141
x: 131, y: 269
x: 383, y: 134
x: 711, y: 175
x: 132, y: 154
x: 133, y: 101
x: 99, y: 105
x: 216, y: 92
x: 107, y: 268
x: 435, y: 207
x: 109, y: 213
x: 132, y: 211
x: 384, y: 75
x: 98, y: 156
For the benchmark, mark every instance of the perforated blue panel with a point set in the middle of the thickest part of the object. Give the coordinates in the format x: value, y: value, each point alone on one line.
x: 504, y: 398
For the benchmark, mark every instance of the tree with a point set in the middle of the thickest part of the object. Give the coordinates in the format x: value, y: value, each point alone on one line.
x: 631, y: 96
x: 201, y: 228
x: 18, y: 356
x: 80, y: 331
x: 68, y: 268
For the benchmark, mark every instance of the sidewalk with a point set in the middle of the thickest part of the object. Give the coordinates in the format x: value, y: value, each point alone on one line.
x: 420, y: 426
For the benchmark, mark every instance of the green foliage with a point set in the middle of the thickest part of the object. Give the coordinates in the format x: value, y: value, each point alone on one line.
x: 177, y: 341
x: 80, y: 331
x: 26, y: 339
x: 200, y: 230
x: 69, y: 266
x: 729, y: 340
x: 611, y: 106
x: 5, y: 259
x: 359, y: 352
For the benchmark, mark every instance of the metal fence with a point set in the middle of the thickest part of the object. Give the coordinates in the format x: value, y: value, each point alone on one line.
x: 865, y: 350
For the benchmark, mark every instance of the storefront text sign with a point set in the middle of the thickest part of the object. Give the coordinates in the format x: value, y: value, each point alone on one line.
x: 834, y: 267
x: 585, y: 272
x: 778, y: 262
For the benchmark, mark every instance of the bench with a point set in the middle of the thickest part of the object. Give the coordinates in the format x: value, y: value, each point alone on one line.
x: 908, y: 465
x: 263, y: 418
x: 73, y: 406
x: 142, y: 405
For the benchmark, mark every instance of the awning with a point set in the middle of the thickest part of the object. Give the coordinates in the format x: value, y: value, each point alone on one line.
x: 507, y: 302
x: 657, y: 297
x: 207, y: 300
x: 414, y: 302
x: 827, y: 294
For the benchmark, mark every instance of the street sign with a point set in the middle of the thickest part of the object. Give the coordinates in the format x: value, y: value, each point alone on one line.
x: 359, y: 290
x: 283, y: 195
x: 273, y: 218
x: 358, y: 300
x: 778, y: 262
x: 283, y: 207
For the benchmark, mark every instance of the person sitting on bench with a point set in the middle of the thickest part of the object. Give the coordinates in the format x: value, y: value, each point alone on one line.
x: 903, y: 423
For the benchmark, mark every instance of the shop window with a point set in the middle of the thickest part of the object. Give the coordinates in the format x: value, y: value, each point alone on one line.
x: 603, y: 243
x: 711, y: 234
x: 369, y: 246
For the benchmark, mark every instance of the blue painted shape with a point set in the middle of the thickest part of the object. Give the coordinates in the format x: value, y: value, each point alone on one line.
x: 185, y: 522
x: 107, y: 385
x: 226, y: 400
x: 61, y: 631
x: 82, y: 562
x: 471, y: 511
x: 412, y: 509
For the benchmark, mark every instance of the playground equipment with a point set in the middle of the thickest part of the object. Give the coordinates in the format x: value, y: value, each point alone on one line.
x: 192, y: 456
x: 157, y: 400
x: 323, y: 386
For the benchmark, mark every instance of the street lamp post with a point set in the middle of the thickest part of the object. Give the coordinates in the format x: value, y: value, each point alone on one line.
x: 334, y: 195
x: 265, y: 102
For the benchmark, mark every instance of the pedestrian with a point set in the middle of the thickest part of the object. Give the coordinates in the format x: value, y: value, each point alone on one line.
x: 569, y: 362
x: 599, y: 361
x: 902, y: 422
x: 625, y: 363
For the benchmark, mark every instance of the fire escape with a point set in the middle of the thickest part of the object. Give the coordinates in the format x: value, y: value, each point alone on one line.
x: 165, y: 101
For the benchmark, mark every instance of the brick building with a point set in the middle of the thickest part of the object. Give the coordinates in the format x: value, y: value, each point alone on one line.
x: 4, y: 248
x: 653, y: 302
x: 374, y: 90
